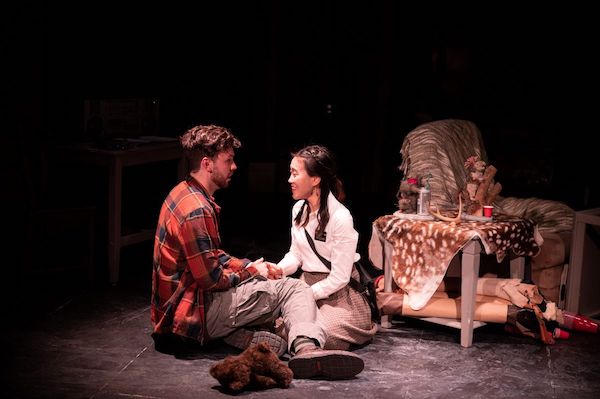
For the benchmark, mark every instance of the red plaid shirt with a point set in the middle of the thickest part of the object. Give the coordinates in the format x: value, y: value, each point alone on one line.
x: 188, y: 261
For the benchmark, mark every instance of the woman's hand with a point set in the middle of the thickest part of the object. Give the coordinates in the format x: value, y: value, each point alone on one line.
x: 261, y: 266
x: 275, y: 272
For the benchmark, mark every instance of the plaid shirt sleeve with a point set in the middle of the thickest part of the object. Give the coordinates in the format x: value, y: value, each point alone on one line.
x: 212, y: 268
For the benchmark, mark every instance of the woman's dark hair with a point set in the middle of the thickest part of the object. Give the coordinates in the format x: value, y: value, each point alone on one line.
x: 319, y: 162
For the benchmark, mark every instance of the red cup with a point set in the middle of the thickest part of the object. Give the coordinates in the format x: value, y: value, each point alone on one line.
x: 487, y: 211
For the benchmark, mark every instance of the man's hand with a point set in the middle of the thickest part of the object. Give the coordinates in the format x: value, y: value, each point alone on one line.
x: 261, y: 267
x: 275, y: 272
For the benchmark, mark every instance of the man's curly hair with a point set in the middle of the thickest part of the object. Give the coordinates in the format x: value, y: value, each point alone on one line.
x: 206, y: 141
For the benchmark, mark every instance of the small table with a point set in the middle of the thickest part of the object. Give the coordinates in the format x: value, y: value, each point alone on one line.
x: 583, y: 272
x: 469, y: 243
x: 116, y: 160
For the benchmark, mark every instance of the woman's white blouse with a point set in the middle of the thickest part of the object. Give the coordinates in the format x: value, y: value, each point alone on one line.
x: 339, y: 248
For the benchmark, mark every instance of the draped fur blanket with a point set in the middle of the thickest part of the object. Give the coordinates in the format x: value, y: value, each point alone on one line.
x: 423, y: 250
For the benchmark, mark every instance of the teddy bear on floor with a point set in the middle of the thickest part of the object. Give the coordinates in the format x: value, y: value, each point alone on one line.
x: 258, y: 367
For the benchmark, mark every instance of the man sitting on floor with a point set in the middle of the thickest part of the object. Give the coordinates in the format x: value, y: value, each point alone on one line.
x: 201, y: 293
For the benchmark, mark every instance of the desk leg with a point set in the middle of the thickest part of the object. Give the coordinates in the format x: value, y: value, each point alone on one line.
x: 115, y: 181
x: 517, y: 268
x: 520, y: 268
x: 388, y: 281
x: 470, y: 274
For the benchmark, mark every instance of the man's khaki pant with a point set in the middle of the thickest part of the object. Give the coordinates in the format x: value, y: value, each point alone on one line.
x: 259, y: 301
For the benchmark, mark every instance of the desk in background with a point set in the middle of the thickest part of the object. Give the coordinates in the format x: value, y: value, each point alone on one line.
x: 115, y: 161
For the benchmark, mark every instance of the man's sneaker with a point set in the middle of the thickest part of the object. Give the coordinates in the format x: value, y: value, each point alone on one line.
x: 243, y: 338
x: 327, y: 364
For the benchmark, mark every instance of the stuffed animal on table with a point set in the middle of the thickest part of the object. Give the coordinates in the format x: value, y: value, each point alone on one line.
x: 475, y: 167
x: 257, y: 367
x: 407, y: 195
x: 480, y: 188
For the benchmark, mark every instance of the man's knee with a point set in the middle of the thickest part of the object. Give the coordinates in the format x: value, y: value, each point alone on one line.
x: 295, y: 283
x: 298, y: 289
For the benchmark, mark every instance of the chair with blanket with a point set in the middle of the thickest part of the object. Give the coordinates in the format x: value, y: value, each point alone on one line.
x: 441, y: 148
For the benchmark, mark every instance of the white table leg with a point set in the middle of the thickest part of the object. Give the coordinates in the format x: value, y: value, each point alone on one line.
x: 388, y: 280
x: 470, y: 274
x: 517, y: 268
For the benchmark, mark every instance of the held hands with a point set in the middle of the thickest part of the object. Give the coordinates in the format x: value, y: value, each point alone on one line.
x: 275, y: 272
x: 260, y: 265
x: 267, y: 269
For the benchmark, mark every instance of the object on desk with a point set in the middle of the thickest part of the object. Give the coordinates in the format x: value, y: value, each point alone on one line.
x: 487, y: 211
x: 120, y: 117
x: 118, y: 144
x: 424, y: 201
x: 455, y: 219
x: 126, y: 143
x: 136, y: 141
x: 407, y: 196
x: 480, y: 187
x: 413, y: 216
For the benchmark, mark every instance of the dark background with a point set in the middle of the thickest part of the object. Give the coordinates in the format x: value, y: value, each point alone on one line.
x: 355, y: 77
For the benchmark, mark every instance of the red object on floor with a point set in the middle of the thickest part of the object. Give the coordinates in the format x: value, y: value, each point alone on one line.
x: 579, y: 322
x: 560, y: 334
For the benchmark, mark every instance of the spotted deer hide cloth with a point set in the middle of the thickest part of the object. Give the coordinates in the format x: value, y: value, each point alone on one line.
x: 422, y: 251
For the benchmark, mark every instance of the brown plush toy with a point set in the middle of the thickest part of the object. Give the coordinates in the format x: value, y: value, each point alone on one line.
x: 258, y: 367
x: 480, y: 188
x: 407, y: 195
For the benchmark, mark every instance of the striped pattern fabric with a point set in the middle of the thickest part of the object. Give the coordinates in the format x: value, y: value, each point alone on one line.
x: 550, y: 216
x: 188, y: 262
x: 441, y: 148
x: 345, y: 314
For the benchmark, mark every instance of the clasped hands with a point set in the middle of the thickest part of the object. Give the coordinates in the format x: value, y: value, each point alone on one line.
x: 268, y: 270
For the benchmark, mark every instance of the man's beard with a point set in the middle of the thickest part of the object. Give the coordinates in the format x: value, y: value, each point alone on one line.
x: 220, y: 180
